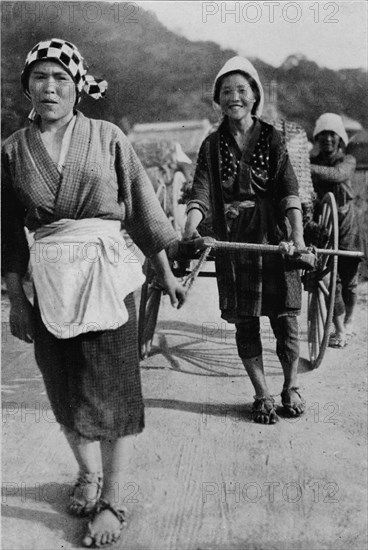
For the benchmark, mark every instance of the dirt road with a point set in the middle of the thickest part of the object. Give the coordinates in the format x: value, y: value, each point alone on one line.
x: 202, y: 475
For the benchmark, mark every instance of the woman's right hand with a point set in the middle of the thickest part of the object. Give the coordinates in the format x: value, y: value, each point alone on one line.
x: 194, y: 217
x: 21, y: 320
x: 190, y: 234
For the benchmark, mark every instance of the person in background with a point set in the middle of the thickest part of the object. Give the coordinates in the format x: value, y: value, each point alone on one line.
x: 332, y: 171
x: 76, y: 181
x: 245, y: 188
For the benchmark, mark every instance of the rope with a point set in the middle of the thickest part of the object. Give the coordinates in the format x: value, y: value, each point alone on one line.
x: 189, y: 279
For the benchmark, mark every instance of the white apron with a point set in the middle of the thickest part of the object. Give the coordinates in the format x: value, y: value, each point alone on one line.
x: 82, y: 271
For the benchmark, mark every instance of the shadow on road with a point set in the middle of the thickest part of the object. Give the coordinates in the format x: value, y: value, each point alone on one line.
x: 71, y: 528
x: 239, y: 412
x: 213, y: 354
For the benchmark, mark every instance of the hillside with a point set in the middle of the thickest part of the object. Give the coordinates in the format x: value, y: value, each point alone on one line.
x: 156, y: 75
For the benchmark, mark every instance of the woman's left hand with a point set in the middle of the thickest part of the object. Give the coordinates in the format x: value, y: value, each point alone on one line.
x: 298, y: 241
x: 292, y: 247
x: 175, y: 290
x: 166, y: 278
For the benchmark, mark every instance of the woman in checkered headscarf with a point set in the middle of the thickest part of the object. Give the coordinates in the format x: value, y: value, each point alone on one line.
x: 245, y: 190
x: 76, y: 182
x: 67, y: 55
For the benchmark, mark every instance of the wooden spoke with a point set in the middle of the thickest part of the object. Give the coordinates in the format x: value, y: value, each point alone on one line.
x: 323, y: 288
x: 148, y: 311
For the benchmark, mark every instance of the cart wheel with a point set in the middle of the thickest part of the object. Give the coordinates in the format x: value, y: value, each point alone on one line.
x: 150, y: 295
x: 148, y: 311
x: 321, y: 283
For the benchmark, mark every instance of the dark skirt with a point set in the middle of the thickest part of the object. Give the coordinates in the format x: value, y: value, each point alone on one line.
x: 93, y: 380
x: 251, y: 284
x: 350, y: 235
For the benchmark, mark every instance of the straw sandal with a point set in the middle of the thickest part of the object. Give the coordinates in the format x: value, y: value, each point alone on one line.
x: 293, y: 409
x: 105, y: 538
x: 335, y: 341
x: 263, y: 410
x: 81, y: 504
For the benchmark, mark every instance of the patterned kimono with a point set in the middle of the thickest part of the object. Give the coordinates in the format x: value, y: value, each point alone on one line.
x: 335, y: 175
x: 243, y: 196
x: 92, y: 380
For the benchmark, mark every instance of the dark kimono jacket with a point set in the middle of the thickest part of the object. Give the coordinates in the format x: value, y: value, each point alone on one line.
x: 261, y: 177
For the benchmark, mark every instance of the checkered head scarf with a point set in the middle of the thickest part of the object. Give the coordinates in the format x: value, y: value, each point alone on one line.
x: 71, y: 60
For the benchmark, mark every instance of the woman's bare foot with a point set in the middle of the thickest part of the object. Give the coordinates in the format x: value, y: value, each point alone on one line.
x: 337, y: 340
x: 105, y: 527
x: 292, y: 401
x: 263, y: 410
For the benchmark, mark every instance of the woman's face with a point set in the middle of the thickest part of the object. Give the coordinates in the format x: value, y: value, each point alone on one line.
x: 236, y: 97
x: 52, y: 91
x: 328, y: 142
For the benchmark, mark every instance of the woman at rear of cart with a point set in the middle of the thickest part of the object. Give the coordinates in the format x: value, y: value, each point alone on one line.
x: 246, y: 189
x: 76, y: 181
x: 332, y: 171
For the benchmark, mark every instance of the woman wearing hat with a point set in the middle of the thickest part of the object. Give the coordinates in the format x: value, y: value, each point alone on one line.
x: 332, y: 171
x: 75, y: 182
x: 246, y: 189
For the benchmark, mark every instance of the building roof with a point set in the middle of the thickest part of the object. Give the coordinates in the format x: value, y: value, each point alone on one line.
x: 189, y: 133
x: 350, y: 124
x: 358, y: 146
x: 360, y: 137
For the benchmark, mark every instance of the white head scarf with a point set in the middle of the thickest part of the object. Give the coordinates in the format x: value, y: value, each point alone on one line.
x: 242, y: 65
x: 331, y: 122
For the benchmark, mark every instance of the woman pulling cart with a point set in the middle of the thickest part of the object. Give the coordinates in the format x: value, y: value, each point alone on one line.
x: 75, y: 181
x: 245, y: 187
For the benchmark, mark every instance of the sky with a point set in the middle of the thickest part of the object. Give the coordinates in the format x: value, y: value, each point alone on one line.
x: 334, y: 34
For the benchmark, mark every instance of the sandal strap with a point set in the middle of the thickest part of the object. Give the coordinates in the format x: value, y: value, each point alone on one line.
x: 263, y: 405
x: 119, y: 513
x: 89, y: 478
x: 285, y: 396
x: 287, y: 391
x: 264, y: 398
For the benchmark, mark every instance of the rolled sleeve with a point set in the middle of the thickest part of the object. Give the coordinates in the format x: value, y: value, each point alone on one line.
x: 290, y: 201
x: 200, y: 192
x: 335, y: 174
x: 193, y: 205
x: 286, y: 181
